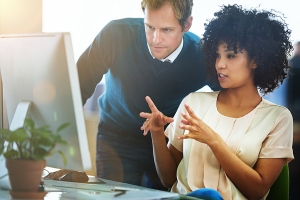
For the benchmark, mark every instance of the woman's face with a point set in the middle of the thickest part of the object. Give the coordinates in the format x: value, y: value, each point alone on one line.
x: 234, y: 70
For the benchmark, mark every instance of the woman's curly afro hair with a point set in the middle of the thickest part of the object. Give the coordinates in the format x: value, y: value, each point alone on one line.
x: 263, y: 34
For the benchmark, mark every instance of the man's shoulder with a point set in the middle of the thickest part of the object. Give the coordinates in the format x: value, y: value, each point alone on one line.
x: 127, y: 22
x: 191, y: 41
x: 191, y: 36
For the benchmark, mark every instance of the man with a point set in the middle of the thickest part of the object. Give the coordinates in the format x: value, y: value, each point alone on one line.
x: 155, y: 56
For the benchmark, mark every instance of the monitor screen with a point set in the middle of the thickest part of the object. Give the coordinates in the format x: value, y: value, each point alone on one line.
x: 39, y: 70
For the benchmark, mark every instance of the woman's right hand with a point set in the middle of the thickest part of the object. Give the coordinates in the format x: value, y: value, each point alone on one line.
x: 155, y: 121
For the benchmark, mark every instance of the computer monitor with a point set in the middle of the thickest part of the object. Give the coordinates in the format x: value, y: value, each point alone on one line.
x: 40, y: 81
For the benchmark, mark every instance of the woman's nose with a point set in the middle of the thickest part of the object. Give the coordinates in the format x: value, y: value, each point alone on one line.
x: 220, y: 63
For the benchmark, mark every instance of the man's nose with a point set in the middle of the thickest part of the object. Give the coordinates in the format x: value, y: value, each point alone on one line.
x: 157, y: 37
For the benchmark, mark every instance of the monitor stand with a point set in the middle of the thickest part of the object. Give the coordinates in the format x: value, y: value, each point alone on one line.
x: 20, y: 115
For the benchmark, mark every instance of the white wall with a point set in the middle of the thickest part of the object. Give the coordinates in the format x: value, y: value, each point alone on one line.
x: 20, y: 16
x: 85, y: 18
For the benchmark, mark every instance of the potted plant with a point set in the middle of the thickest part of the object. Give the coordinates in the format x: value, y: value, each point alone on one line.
x: 25, y: 150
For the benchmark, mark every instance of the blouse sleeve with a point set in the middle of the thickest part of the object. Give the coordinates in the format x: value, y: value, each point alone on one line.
x: 278, y: 143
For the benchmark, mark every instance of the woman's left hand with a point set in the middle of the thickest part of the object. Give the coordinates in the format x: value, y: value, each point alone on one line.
x: 198, y: 130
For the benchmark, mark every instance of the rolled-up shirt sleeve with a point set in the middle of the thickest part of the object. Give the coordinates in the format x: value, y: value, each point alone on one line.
x: 278, y: 144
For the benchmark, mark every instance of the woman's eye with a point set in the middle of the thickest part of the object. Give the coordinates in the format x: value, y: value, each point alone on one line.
x: 230, y: 56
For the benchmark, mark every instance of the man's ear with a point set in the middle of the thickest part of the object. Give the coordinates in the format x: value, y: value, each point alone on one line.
x: 188, y: 24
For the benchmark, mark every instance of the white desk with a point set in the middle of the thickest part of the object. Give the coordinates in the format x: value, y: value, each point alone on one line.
x: 62, y: 193
x: 94, y: 192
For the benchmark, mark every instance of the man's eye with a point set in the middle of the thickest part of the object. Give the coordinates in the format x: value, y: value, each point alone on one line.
x: 167, y: 29
x: 230, y: 56
x: 149, y: 27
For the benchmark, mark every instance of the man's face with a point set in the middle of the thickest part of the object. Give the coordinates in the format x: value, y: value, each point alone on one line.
x: 163, y: 31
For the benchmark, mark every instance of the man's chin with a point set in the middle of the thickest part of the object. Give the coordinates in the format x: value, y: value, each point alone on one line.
x: 159, y: 57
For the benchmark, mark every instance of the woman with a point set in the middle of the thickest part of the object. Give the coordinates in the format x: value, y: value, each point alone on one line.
x: 233, y: 141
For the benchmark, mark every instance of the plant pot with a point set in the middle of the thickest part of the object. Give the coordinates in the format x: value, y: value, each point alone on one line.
x: 25, y: 175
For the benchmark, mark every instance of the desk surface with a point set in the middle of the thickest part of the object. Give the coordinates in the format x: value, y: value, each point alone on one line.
x: 137, y: 192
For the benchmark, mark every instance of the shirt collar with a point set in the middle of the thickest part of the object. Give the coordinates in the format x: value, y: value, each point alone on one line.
x: 170, y: 58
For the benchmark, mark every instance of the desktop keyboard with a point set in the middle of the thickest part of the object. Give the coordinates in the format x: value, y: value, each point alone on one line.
x: 96, y: 186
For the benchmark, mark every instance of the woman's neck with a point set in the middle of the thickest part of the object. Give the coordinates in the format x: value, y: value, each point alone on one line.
x: 237, y: 103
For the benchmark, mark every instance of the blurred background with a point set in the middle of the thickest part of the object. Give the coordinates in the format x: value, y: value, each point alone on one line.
x: 85, y: 18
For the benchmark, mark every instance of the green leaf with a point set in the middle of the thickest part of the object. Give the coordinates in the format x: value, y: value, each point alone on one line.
x: 62, y: 142
x: 61, y: 127
x: 18, y: 135
x: 1, y: 149
x: 31, y: 142
x: 11, y: 154
x: 43, y: 131
x: 5, y: 132
x: 45, y: 138
x: 58, y: 139
x: 63, y: 157
x: 26, y: 155
x: 29, y: 123
x: 39, y: 153
x: 45, y: 141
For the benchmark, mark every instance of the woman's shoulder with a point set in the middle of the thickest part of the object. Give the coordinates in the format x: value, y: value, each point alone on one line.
x: 203, y: 94
x: 200, y: 97
x: 270, y: 107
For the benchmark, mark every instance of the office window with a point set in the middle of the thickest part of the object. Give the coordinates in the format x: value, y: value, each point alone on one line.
x: 85, y: 18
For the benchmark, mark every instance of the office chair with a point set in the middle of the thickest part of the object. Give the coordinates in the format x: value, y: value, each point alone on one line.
x: 280, y: 189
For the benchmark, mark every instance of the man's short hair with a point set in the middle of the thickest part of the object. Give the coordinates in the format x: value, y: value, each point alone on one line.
x: 182, y: 8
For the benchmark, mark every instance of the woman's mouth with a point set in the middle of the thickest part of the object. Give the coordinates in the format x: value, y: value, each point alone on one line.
x: 221, y: 76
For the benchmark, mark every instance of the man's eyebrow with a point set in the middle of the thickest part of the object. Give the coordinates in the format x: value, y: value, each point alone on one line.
x: 170, y: 27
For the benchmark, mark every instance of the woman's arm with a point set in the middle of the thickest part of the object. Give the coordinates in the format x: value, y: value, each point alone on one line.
x: 255, y: 182
x: 166, y: 157
x: 252, y: 182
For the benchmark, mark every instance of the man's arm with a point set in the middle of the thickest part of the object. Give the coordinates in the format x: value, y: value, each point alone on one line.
x: 95, y: 61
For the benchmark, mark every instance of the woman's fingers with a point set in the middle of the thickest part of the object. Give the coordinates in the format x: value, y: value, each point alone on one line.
x: 168, y: 120
x: 188, y: 120
x: 186, y: 136
x: 190, y: 111
x: 191, y: 123
x: 145, y: 115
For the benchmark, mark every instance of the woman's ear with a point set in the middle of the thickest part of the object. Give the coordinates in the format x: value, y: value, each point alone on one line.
x: 253, y: 65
